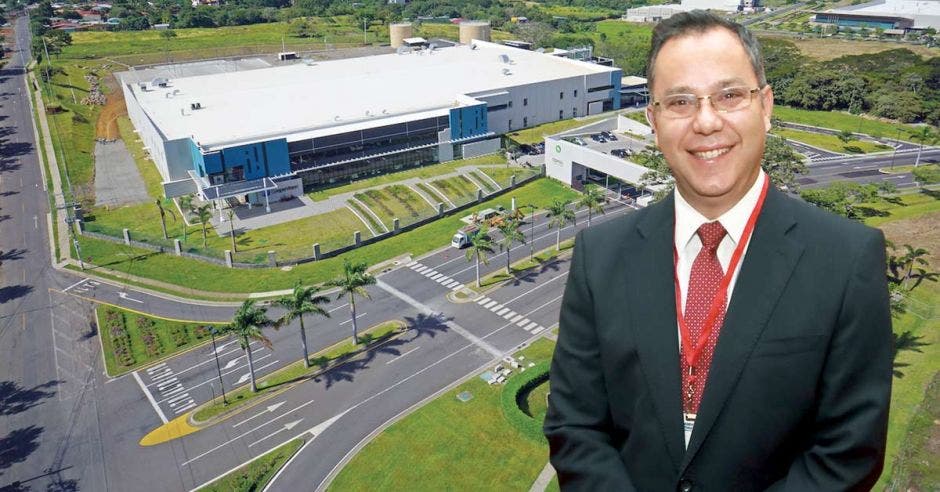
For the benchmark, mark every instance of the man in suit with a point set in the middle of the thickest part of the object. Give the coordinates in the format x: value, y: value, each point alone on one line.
x: 774, y: 373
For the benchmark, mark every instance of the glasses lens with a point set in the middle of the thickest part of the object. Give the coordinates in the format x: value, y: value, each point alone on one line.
x: 732, y: 99
x: 680, y: 105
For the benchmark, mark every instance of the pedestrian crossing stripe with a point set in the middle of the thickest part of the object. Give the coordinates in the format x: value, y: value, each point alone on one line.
x: 412, y: 264
x: 490, y: 304
x: 524, y: 321
x: 457, y: 287
x: 531, y: 325
x: 517, y: 318
x: 501, y: 311
x: 510, y: 314
x: 537, y: 330
x: 483, y: 300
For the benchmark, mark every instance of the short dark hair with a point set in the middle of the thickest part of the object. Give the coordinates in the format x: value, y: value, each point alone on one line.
x: 699, y: 22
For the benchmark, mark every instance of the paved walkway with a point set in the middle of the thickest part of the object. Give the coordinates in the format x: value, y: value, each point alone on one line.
x: 543, y: 479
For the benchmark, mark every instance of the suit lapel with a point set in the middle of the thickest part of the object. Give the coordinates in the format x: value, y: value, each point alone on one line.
x: 767, y: 266
x: 653, y: 300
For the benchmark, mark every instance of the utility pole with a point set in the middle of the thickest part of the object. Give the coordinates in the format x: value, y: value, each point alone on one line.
x: 897, y: 142
x: 364, y: 22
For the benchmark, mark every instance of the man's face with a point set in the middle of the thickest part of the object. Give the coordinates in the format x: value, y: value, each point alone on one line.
x: 715, y: 157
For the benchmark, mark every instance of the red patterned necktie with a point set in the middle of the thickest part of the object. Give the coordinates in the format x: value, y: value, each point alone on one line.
x: 703, y: 286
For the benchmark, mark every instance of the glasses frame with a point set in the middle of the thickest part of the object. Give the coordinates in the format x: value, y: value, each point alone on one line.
x: 698, y: 102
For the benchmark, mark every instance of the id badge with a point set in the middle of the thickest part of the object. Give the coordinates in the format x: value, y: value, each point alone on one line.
x: 688, y: 422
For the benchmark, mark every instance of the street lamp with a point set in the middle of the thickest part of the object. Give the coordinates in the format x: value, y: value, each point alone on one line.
x: 218, y: 366
x: 531, y: 228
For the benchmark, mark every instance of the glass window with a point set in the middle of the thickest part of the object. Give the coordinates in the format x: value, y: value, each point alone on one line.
x: 561, y: 95
x: 561, y: 114
x: 525, y: 101
x: 576, y: 93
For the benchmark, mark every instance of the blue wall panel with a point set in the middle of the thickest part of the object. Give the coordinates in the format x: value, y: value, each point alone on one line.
x: 468, y: 121
x: 278, y: 158
x: 615, y: 80
x: 258, y: 160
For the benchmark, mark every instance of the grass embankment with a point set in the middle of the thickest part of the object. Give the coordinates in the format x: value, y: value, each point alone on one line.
x: 458, y: 189
x: 538, y: 133
x: 255, y: 475
x: 131, y: 340
x: 424, y: 172
x: 521, y: 267
x: 918, y: 219
x: 450, y: 444
x: 485, y: 184
x: 296, y: 372
x: 831, y: 142
x: 188, y: 273
x: 396, y: 202
x: 917, y: 466
x: 837, y: 120
x: 502, y: 175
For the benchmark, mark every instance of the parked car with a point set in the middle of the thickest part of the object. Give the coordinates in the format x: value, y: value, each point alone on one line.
x: 578, y: 141
x: 540, y: 148
x: 597, y: 137
x: 609, y: 135
x: 622, y: 153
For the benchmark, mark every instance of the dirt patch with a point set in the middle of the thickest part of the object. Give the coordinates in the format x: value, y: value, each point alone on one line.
x: 824, y: 49
x: 920, y: 232
x: 106, y: 128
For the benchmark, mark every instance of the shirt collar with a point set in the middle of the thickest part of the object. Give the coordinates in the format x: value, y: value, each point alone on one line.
x: 688, y: 220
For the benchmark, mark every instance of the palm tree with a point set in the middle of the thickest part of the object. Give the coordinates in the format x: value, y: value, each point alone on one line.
x: 163, y: 214
x: 592, y: 200
x: 186, y: 206
x: 352, y: 282
x: 304, y: 300
x: 511, y: 234
x: 246, y: 326
x: 480, y: 245
x: 558, y: 215
x: 204, y: 214
x: 231, y: 228
x: 924, y: 136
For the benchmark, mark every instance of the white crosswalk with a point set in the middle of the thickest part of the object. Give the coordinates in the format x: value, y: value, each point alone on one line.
x: 513, y: 317
x: 169, y: 388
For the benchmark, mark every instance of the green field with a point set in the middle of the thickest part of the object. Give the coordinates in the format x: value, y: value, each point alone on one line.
x: 448, y: 444
x: 423, y: 172
x: 831, y: 142
x: 432, y: 194
x: 488, y: 186
x: 167, y: 337
x: 458, y: 189
x: 843, y: 121
x: 582, y: 14
x: 188, y: 273
x: 255, y: 475
x: 396, y: 201
x: 502, y: 175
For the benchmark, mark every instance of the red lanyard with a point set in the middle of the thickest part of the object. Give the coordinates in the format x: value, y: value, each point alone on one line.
x: 689, y: 352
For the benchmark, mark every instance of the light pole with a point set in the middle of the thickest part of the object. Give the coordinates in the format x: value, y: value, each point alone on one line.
x: 897, y: 142
x: 531, y: 229
x: 218, y: 367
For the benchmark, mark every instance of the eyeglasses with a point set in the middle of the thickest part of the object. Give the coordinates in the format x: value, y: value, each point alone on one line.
x: 724, y: 101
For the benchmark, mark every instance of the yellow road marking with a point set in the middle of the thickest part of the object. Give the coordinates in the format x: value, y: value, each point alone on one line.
x: 173, y: 429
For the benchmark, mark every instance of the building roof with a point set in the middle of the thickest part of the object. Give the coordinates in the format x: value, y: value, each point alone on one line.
x: 631, y: 80
x: 924, y: 13
x: 310, y: 99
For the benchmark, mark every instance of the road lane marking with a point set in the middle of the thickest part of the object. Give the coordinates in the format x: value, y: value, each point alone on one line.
x: 153, y: 402
x: 402, y: 355
x: 288, y: 426
x: 183, y: 409
x: 560, y: 275
x: 269, y: 409
x: 73, y: 285
x: 185, y: 463
x: 350, y: 320
x: 501, y: 328
x: 529, y: 324
x: 123, y: 295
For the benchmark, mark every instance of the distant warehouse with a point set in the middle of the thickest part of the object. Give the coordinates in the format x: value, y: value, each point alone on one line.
x: 259, y: 132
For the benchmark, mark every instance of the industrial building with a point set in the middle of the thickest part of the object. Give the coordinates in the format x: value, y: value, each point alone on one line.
x: 255, y: 134
x: 656, y: 13
x: 901, y: 15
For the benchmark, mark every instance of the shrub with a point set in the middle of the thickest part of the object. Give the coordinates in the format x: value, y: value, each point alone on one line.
x: 854, y: 149
x: 509, y: 399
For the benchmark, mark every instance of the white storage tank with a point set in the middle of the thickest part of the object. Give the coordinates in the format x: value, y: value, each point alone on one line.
x: 470, y: 30
x: 398, y: 32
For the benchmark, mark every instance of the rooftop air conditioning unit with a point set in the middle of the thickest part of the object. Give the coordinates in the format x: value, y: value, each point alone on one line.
x: 504, y: 58
x: 507, y: 71
x: 160, y: 82
x: 143, y: 86
x: 194, y: 106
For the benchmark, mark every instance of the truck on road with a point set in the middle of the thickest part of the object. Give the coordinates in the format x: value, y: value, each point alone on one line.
x: 464, y: 236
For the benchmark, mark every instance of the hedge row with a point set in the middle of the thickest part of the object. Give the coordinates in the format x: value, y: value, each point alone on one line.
x: 509, y: 400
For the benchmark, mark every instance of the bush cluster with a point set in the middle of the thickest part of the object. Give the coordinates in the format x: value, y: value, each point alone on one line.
x: 120, y: 338
x: 149, y: 336
x: 516, y: 386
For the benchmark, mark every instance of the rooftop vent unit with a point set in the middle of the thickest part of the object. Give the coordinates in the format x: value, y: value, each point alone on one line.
x: 505, y: 59
x: 432, y: 46
x: 143, y: 86
x: 507, y: 71
x: 194, y: 106
x: 403, y: 50
x: 160, y: 82
x: 473, y: 46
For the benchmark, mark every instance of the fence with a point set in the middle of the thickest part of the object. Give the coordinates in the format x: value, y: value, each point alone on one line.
x: 293, y: 255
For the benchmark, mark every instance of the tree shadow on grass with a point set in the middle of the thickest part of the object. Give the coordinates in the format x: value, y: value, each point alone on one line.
x: 16, y: 446
x: 15, y: 399
x: 11, y: 292
x: 131, y: 259
x: 935, y: 194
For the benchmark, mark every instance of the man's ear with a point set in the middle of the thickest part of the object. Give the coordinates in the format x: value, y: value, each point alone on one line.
x: 767, y: 105
x: 651, y: 119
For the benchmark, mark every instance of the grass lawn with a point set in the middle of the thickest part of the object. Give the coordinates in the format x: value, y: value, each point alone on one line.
x: 458, y: 189
x: 432, y: 194
x: 424, y: 172
x: 296, y: 372
x: 448, y: 444
x: 396, y: 201
x: 204, y: 276
x: 582, y: 14
x: 538, y: 133
x: 487, y: 185
x: 171, y: 337
x: 618, y: 28
x: 844, y: 121
x: 255, y: 475
x: 918, y: 222
x: 830, y: 142
x: 918, y: 465
x: 502, y: 174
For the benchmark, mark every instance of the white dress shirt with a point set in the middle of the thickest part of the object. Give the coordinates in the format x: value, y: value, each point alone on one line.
x: 688, y: 244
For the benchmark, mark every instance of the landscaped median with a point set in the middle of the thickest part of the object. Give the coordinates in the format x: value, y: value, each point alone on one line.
x: 131, y: 340
x: 295, y: 373
x: 460, y: 440
x: 521, y: 267
x: 256, y: 474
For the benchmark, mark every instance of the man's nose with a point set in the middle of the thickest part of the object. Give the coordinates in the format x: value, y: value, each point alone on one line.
x: 706, y: 120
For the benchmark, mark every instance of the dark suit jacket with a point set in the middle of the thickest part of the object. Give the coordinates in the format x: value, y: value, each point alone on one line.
x: 798, y: 392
